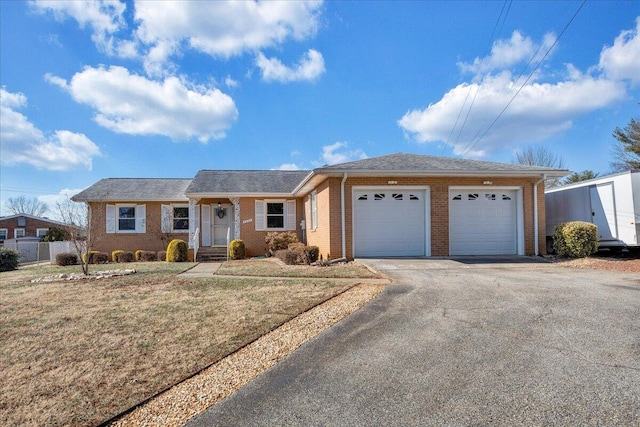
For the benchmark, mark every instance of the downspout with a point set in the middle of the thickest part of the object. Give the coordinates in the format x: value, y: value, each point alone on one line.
x: 535, y: 215
x: 343, y: 219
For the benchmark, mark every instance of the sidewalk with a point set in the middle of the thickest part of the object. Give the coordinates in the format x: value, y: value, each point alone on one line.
x: 204, y: 269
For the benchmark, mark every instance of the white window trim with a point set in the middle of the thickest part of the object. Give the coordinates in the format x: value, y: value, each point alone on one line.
x: 288, y: 222
x: 135, y: 217
x: 113, y: 218
x: 15, y: 233
x: 313, y: 199
x: 172, y: 217
x: 38, y: 230
x: 6, y: 233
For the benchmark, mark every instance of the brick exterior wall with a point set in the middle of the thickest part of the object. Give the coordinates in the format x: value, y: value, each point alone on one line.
x: 328, y: 235
x: 152, y: 240
x: 30, y: 228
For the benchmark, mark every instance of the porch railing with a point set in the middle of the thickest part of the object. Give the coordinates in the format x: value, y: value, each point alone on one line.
x: 195, y: 243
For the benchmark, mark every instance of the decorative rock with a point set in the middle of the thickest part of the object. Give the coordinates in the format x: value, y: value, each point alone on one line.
x: 92, y: 275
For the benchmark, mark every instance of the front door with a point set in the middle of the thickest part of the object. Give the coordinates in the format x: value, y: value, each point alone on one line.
x: 222, y: 220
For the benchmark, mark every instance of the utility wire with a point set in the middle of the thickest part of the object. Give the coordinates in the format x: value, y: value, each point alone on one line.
x: 489, y: 44
x: 526, y: 81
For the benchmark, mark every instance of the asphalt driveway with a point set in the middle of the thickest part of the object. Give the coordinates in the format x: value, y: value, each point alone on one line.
x: 469, y: 342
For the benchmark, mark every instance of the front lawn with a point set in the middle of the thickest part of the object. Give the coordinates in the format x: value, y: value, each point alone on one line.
x: 80, y: 352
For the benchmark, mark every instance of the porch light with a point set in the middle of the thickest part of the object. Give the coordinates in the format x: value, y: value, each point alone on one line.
x: 488, y: 182
x: 219, y: 205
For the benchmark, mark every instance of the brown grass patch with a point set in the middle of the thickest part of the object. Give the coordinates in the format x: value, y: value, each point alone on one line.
x: 79, y: 352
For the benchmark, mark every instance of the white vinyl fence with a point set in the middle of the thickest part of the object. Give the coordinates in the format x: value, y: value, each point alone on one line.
x: 35, y: 251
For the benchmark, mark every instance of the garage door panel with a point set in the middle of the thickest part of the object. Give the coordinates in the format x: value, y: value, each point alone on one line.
x: 389, y: 222
x: 483, y: 222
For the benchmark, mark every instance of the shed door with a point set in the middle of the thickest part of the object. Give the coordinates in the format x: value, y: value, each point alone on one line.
x: 390, y: 222
x: 483, y: 222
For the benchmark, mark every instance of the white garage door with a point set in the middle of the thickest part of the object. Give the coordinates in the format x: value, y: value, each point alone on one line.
x: 390, y: 222
x: 483, y: 222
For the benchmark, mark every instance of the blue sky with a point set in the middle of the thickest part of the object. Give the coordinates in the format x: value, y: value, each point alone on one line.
x: 91, y: 90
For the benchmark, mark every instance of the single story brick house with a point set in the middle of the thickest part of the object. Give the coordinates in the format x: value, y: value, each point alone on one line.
x: 397, y: 205
x: 25, y: 225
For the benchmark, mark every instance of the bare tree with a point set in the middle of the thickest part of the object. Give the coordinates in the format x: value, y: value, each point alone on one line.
x: 22, y: 205
x: 626, y: 152
x: 76, y: 217
x: 541, y: 156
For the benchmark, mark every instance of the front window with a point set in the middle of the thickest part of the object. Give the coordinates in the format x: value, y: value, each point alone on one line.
x: 126, y: 218
x: 181, y: 218
x: 3, y: 234
x: 275, y: 215
x: 18, y: 232
x: 41, y: 232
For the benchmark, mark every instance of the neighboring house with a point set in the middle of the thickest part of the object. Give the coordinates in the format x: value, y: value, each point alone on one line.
x: 24, y: 225
x: 394, y: 205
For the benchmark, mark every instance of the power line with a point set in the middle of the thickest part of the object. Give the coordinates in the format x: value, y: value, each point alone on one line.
x: 487, y: 50
x: 525, y: 82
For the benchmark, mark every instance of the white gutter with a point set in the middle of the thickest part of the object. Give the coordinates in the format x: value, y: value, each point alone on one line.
x: 535, y: 215
x: 343, y: 217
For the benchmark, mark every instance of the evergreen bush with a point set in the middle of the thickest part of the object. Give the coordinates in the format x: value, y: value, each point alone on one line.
x: 9, y: 259
x: 236, y: 249
x: 575, y: 239
x: 177, y: 251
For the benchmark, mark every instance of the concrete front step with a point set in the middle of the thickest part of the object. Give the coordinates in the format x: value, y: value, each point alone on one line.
x: 211, y: 254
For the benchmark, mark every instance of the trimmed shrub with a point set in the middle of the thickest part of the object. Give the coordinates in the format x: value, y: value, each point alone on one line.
x: 312, y: 253
x: 100, y: 258
x: 575, y: 239
x: 288, y: 256
x: 92, y: 254
x: 177, y: 251
x: 162, y: 256
x: 138, y: 255
x: 279, y: 240
x: 66, y: 258
x: 125, y: 257
x: 114, y: 255
x: 148, y: 256
x: 9, y: 259
x: 236, y: 249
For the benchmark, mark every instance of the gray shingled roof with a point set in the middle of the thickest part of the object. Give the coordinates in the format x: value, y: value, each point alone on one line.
x: 135, y: 189
x: 403, y: 162
x: 246, y: 182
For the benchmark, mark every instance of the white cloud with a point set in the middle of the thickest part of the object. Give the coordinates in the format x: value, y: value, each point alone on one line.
x: 338, y: 153
x: 105, y: 17
x: 22, y: 142
x: 222, y: 28
x: 229, y: 82
x: 287, y: 167
x: 310, y: 68
x: 540, y: 111
x: 132, y: 104
x: 622, y: 59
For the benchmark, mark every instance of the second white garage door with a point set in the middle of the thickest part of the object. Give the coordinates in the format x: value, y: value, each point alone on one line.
x: 390, y: 222
x: 483, y: 222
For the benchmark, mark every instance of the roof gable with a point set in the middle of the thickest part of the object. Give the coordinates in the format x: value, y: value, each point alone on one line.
x: 245, y: 182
